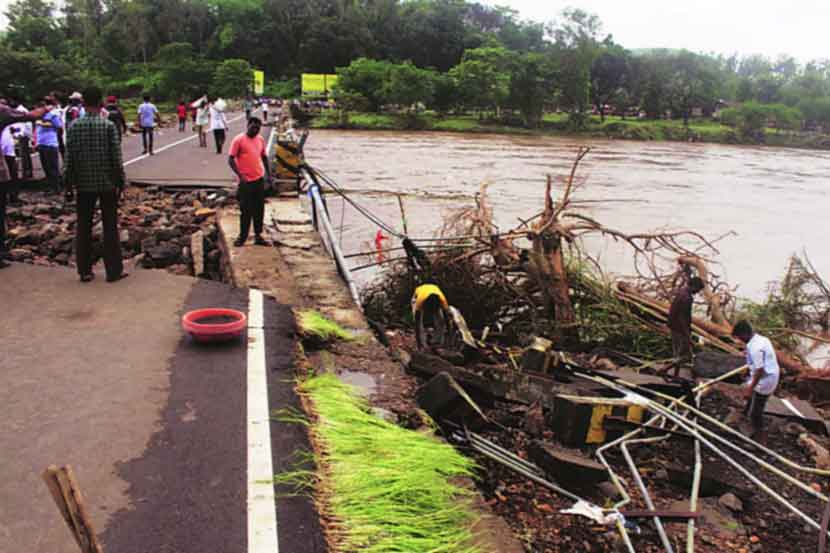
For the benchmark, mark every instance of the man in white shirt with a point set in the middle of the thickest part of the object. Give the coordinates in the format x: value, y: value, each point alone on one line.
x: 764, y: 373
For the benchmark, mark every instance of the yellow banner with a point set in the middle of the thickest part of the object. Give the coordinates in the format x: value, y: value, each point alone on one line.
x: 259, y: 82
x: 317, y: 83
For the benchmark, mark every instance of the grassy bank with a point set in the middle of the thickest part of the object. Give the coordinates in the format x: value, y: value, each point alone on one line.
x: 385, y: 488
x: 556, y: 124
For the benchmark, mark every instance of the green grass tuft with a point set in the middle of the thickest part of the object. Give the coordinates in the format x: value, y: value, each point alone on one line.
x: 315, y: 325
x: 387, y: 488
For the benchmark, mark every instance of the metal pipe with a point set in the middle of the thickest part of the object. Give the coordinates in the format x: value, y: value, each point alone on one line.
x: 625, y: 497
x: 531, y: 476
x: 730, y: 430
x: 601, y: 450
x: 536, y: 478
x: 643, y: 490
x: 473, y: 437
x: 690, y: 427
x: 322, y: 216
x: 698, y: 471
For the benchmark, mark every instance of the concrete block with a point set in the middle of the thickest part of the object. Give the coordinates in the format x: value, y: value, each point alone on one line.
x: 577, y: 421
x: 444, y: 399
x: 569, y: 468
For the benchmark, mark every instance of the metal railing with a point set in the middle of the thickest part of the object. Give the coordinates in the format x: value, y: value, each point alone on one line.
x: 322, y: 223
x: 320, y: 219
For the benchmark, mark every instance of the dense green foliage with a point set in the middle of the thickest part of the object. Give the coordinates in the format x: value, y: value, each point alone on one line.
x: 444, y: 55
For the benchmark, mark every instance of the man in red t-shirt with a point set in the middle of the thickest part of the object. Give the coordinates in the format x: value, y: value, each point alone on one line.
x: 250, y: 163
x: 181, y: 112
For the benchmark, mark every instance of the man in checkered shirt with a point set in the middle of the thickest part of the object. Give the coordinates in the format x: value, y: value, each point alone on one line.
x: 95, y: 171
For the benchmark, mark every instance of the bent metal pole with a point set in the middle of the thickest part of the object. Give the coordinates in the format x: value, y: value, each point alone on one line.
x: 697, y: 432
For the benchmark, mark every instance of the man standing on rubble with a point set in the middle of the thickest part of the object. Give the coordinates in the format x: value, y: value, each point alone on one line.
x: 94, y: 168
x: 680, y: 322
x: 764, y: 374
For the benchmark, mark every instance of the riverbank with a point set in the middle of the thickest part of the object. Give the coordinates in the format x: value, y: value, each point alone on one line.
x: 556, y: 124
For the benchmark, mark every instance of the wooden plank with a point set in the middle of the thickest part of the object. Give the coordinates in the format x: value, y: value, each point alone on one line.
x: 634, y: 513
x: 69, y: 500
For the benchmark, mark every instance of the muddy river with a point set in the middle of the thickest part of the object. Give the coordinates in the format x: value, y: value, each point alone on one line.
x: 774, y: 200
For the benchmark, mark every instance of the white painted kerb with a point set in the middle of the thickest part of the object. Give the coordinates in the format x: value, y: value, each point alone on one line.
x: 262, y: 513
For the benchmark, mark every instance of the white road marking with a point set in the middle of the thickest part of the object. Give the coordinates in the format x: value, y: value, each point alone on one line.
x: 167, y: 147
x: 262, y: 512
x: 792, y: 408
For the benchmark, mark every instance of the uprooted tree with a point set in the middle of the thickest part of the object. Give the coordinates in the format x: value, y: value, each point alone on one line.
x: 539, y: 279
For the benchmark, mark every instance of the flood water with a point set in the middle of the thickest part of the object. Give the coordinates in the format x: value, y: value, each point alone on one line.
x: 775, y: 200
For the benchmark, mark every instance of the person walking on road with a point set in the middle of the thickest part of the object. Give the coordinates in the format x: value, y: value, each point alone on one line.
x: 114, y: 114
x: 148, y: 115
x: 181, y: 113
x: 48, y: 146
x: 248, y: 104
x: 264, y: 111
x: 94, y: 168
x: 764, y: 374
x: 680, y: 322
x: 250, y: 163
x: 202, y: 121
x: 218, y: 124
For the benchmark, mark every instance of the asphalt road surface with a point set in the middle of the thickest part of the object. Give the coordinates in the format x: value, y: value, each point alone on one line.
x: 101, y: 377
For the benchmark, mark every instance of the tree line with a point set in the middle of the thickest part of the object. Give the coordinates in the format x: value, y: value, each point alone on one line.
x: 441, y: 54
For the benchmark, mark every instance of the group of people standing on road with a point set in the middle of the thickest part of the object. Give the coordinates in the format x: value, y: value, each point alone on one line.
x: 88, y: 138
x: 87, y: 135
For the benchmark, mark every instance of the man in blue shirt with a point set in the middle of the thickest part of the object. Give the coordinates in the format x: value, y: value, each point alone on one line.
x: 764, y: 374
x: 147, y: 117
x: 48, y: 128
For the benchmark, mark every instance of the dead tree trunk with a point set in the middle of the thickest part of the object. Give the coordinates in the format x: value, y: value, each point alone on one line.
x: 548, y: 269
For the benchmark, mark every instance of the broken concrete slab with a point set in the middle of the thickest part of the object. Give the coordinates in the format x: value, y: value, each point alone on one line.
x: 444, y: 399
x: 712, y: 364
x: 566, y: 466
x: 656, y: 383
x: 797, y: 410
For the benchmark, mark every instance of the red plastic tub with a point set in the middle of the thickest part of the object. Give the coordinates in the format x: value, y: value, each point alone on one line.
x: 214, y: 324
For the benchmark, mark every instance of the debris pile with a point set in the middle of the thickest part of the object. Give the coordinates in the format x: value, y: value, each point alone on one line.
x: 552, y: 375
x: 155, y: 224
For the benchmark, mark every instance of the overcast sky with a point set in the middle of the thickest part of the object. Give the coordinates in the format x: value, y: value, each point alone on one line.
x: 795, y: 27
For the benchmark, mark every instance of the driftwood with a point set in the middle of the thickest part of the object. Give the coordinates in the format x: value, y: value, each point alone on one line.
x: 717, y: 335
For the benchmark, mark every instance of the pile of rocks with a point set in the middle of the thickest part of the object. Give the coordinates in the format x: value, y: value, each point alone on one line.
x: 156, y: 229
